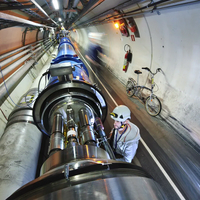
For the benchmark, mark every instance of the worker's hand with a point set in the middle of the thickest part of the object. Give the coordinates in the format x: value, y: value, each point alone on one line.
x: 98, y: 123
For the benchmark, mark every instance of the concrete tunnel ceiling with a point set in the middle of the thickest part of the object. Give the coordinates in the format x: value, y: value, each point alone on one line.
x: 75, y: 13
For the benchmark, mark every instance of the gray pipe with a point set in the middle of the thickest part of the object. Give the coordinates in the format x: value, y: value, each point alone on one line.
x: 33, y: 47
x: 13, y: 57
x: 18, y: 62
x: 15, y: 64
x: 65, y: 3
x: 16, y: 50
x: 19, y: 149
x: 16, y: 77
x: 75, y: 3
x: 19, y: 145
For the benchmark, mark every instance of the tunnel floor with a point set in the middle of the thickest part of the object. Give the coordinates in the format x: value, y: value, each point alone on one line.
x: 176, y: 163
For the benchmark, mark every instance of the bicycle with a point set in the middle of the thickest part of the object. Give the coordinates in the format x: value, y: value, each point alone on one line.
x: 152, y: 103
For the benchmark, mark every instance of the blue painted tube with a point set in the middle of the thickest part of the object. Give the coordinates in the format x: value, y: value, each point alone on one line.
x: 65, y: 48
x: 66, y: 53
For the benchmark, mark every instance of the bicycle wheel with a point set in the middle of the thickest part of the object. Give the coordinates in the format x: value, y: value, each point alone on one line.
x: 130, y: 87
x: 153, y: 106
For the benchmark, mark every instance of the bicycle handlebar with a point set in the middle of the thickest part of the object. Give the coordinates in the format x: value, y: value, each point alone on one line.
x: 157, y: 70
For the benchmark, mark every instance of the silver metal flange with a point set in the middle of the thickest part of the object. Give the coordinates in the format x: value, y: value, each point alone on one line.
x: 56, y: 97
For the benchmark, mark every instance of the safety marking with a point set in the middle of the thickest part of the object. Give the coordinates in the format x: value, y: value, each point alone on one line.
x: 143, y: 142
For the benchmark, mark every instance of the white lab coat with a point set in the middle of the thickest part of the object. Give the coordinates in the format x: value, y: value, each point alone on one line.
x: 128, y: 143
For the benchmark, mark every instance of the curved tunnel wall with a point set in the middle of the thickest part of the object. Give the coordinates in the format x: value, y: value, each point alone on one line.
x: 169, y: 41
x: 11, y: 39
x: 11, y: 42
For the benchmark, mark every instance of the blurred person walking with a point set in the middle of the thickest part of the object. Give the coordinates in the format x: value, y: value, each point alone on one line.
x: 95, y: 52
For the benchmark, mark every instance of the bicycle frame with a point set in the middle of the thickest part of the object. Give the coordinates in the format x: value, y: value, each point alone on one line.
x: 144, y: 87
x: 152, y: 103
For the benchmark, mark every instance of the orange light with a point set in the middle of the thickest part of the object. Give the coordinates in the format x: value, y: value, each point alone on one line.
x: 116, y: 25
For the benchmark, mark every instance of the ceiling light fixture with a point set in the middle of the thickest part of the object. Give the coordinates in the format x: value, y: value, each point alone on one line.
x: 59, y: 19
x: 55, y: 4
x: 116, y: 25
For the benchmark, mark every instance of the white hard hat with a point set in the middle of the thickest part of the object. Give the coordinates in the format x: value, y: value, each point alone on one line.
x: 121, y: 113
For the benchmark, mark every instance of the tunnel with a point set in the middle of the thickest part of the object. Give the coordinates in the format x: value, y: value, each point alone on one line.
x: 66, y: 65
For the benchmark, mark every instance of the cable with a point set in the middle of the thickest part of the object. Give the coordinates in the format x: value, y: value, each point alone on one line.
x: 7, y: 89
x: 47, y: 72
x: 4, y: 114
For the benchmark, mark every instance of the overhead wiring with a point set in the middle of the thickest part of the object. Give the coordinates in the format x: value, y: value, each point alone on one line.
x: 46, y: 73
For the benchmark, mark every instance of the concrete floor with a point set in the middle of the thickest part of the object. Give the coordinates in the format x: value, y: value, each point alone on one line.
x: 172, y: 161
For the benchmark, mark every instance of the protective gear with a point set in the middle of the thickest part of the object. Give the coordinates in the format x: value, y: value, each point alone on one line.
x: 128, y: 143
x: 121, y: 113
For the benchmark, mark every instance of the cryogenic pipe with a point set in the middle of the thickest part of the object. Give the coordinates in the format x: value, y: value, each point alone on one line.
x: 13, y: 57
x: 15, y: 64
x: 87, y: 135
x: 16, y: 50
x: 18, y: 62
x: 57, y: 137
x: 19, y: 147
x: 11, y: 82
x: 33, y: 47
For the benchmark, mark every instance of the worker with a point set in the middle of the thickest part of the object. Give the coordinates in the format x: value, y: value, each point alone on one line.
x: 124, y: 137
x: 95, y: 52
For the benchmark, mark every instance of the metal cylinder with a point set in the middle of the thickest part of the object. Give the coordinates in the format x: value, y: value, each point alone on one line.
x: 15, y: 64
x: 21, y: 72
x: 87, y: 133
x: 57, y: 123
x: 19, y: 147
x: 57, y: 137
x: 65, y: 48
x: 83, y: 116
x: 24, y: 112
x: 70, y: 117
x: 19, y: 49
x: 71, y: 133
x: 8, y: 60
x: 56, y: 142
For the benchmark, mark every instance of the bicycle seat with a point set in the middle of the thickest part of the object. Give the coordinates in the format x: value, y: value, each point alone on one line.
x: 138, y: 72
